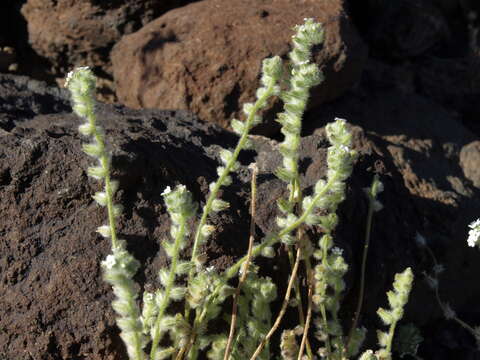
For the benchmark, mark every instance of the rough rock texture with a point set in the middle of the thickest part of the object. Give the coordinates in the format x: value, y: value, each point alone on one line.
x: 53, y: 303
x: 438, y: 158
x: 70, y: 33
x: 407, y: 29
x: 206, y: 57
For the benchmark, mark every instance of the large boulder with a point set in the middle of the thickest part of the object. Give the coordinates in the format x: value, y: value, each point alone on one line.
x: 206, y: 57
x: 69, y: 33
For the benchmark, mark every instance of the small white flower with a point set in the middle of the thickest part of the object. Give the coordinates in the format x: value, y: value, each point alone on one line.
x: 71, y: 73
x: 110, y: 262
x: 474, y: 233
x: 167, y: 191
x: 337, y: 251
x: 475, y: 224
x: 210, y: 269
x: 69, y: 78
x: 181, y: 188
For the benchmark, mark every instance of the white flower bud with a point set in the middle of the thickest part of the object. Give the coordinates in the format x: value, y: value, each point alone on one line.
x: 248, y: 108
x: 227, y: 180
x: 105, y: 231
x: 211, y: 186
x: 226, y: 156
x: 178, y: 293
x: 167, y: 191
x: 93, y: 149
x: 184, y: 267
x: 113, y: 186
x: 117, y: 210
x: 260, y: 92
x: 81, y: 109
x: 207, y: 230
x: 268, y: 252
x: 237, y: 126
x: 163, y: 275
x: 272, y: 68
x: 109, y: 262
x: 220, y: 170
x: 86, y: 129
x: 219, y: 205
x: 97, y: 172
x: 101, y: 198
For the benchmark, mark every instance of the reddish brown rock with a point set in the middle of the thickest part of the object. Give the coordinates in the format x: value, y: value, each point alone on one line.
x: 206, y: 57
x: 82, y: 32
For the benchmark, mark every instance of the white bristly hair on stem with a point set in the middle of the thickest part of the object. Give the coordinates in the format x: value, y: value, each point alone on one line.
x: 181, y: 208
x: 119, y: 267
x: 397, y: 300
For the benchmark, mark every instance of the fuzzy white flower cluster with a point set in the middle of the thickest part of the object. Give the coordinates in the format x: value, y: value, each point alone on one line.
x: 474, y: 233
x: 304, y: 75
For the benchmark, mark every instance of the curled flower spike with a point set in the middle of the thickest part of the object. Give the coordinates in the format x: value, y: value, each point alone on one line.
x: 119, y: 267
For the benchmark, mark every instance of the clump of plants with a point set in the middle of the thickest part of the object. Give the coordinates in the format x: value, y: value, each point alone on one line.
x: 151, y: 329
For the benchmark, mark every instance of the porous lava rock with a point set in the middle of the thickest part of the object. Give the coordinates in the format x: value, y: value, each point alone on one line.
x: 71, y: 33
x: 405, y: 30
x: 53, y: 302
x: 206, y: 57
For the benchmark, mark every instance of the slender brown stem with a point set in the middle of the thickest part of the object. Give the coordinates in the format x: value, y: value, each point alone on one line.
x: 362, y: 274
x: 283, y: 309
x: 246, y: 263
x: 309, y: 317
x: 444, y: 305
x: 180, y: 353
x: 300, y: 238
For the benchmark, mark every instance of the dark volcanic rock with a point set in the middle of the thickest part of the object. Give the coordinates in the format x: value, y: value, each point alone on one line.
x: 407, y: 29
x: 70, y: 33
x: 206, y: 57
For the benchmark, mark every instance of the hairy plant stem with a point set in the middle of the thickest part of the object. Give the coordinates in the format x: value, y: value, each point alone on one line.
x: 391, y: 332
x: 233, y: 270
x: 213, y: 193
x: 362, y: 273
x: 323, y: 311
x: 309, y: 317
x: 442, y: 304
x: 168, y: 288
x: 192, y: 348
x: 298, y: 296
x: 243, y: 277
x: 283, y: 309
x: 105, y: 163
